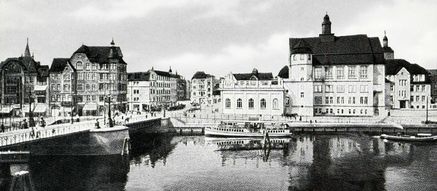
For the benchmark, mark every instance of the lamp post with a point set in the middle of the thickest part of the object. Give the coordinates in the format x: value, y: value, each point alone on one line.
x: 31, y: 121
x: 110, y: 122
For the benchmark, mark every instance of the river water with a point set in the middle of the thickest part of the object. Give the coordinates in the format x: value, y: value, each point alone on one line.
x: 305, y: 162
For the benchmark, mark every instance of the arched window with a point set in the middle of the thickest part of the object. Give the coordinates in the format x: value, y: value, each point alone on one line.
x: 263, y: 103
x: 228, y: 103
x: 275, y: 103
x: 79, y: 65
x: 239, y: 103
x: 251, y: 103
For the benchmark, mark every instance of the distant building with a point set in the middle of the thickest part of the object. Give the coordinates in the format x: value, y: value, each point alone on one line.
x: 433, y: 78
x: 138, y: 91
x: 202, y: 88
x: 410, y: 87
x: 63, y: 83
x: 409, y: 83
x: 335, y: 75
x: 252, y: 93
x: 23, y: 80
x: 101, y: 74
x: 159, y: 88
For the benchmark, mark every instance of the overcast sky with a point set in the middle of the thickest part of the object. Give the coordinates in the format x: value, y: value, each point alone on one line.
x: 215, y: 36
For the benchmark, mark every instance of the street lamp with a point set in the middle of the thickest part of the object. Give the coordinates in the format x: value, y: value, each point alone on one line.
x: 110, y: 122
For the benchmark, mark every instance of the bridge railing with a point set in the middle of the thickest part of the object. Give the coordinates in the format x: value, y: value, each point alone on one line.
x: 31, y: 134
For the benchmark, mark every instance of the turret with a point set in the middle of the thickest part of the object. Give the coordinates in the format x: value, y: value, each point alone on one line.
x: 27, y: 50
x: 388, y: 51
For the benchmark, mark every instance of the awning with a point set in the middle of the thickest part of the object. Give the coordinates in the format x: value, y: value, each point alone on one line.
x: 6, y: 110
x: 40, y: 108
x: 90, y: 107
x: 40, y: 88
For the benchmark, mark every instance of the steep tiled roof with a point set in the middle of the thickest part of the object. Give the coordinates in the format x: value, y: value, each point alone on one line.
x: 353, y: 49
x: 138, y: 76
x: 387, y: 49
x: 101, y: 54
x: 283, y: 73
x: 255, y: 73
x: 393, y: 66
x: 58, y: 65
x: 201, y: 75
x: 166, y: 74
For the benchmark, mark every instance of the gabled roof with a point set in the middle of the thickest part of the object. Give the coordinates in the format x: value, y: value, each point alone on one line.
x: 201, y: 75
x: 393, y: 66
x: 255, y: 73
x: 101, y: 54
x: 283, y: 73
x: 353, y: 49
x: 387, y: 49
x: 138, y: 76
x: 58, y: 65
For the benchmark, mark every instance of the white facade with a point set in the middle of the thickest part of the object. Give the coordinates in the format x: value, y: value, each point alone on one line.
x: 252, y: 97
x: 202, y: 89
x: 138, y: 95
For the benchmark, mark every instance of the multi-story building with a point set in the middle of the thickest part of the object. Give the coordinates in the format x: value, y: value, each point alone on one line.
x: 63, y: 81
x: 433, y: 78
x: 252, y: 93
x: 410, y: 87
x: 101, y: 76
x: 336, y: 75
x: 202, y: 88
x: 409, y: 83
x: 139, y: 91
x: 181, y: 87
x: 161, y: 88
x: 23, y: 80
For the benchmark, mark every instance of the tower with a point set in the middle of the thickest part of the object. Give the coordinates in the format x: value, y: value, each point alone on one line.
x: 388, y: 51
x: 27, y: 50
x: 326, y: 25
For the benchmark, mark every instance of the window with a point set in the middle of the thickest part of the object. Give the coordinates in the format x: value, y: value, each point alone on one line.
x: 329, y: 72
x: 363, y: 88
x: 329, y: 88
x: 351, y: 72
x: 318, y: 73
x: 302, y: 57
x: 294, y: 57
x: 340, y: 72
x: 79, y: 65
x: 423, y: 98
x: 239, y: 103
x: 275, y: 103
x: 263, y: 103
x: 302, y: 94
x: 340, y: 89
x: 326, y: 100
x: 251, y: 103
x: 318, y: 88
x: 351, y: 89
x: 228, y: 103
x: 318, y: 100
x: 363, y: 72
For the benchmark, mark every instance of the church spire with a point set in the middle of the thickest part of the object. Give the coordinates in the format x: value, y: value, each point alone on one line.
x: 27, y: 51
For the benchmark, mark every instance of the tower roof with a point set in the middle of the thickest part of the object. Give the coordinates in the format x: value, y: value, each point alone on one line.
x: 27, y: 50
x: 326, y: 19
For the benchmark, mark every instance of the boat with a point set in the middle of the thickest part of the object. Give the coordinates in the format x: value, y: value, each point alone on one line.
x: 410, y: 138
x: 244, y: 143
x: 248, y: 129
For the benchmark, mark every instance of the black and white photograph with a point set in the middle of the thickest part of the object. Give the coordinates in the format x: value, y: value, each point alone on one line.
x: 218, y: 95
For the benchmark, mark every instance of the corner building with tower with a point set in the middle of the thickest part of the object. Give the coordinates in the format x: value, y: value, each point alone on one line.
x: 335, y: 75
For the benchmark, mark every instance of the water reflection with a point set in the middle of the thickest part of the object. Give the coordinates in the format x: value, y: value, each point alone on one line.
x: 79, y: 173
x: 306, y: 162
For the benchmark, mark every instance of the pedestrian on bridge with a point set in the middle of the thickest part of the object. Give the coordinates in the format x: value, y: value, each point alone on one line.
x: 24, y: 124
x: 2, y: 127
x: 42, y: 122
x: 97, y: 124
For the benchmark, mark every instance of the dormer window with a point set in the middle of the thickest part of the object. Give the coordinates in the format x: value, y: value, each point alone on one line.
x: 309, y: 57
x: 294, y: 57
x: 302, y: 57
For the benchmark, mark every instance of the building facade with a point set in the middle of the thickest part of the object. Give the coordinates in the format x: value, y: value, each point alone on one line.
x: 252, y: 93
x: 24, y: 83
x: 202, y: 88
x: 433, y: 78
x: 159, y: 88
x: 335, y: 75
x: 63, y: 81
x: 410, y: 85
x: 139, y: 91
x: 101, y: 76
